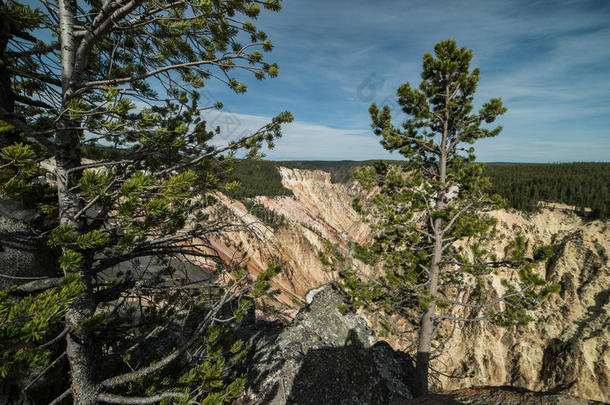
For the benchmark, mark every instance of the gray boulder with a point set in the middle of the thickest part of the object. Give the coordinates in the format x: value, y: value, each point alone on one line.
x: 325, y: 356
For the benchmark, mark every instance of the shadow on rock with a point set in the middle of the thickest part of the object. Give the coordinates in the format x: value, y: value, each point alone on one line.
x: 325, y: 356
x: 351, y: 374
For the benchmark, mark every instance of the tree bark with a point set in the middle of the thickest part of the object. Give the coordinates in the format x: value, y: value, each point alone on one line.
x: 7, y: 98
x: 80, y: 347
x: 80, y: 351
x: 426, y: 329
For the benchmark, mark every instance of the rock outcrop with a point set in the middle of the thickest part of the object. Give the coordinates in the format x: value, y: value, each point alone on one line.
x: 327, y: 355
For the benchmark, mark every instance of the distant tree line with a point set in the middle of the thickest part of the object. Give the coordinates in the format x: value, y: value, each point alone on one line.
x: 523, y: 185
x: 583, y: 185
x: 254, y: 178
x: 261, y: 177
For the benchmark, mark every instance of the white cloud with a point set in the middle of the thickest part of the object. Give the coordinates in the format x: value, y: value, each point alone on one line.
x: 306, y: 141
x: 302, y: 140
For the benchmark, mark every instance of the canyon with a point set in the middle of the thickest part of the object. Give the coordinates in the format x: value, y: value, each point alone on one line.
x: 565, y: 349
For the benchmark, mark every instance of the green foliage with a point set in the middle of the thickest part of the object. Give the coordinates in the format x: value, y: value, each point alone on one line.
x: 30, y: 320
x: 522, y: 186
x: 428, y: 213
x: 263, y: 283
x: 268, y: 217
x: 18, y: 166
x: 95, y: 183
x: 132, y: 101
x: 256, y: 178
x: 210, y: 374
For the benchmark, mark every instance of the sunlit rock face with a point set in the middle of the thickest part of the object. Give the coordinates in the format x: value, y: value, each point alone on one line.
x: 567, y: 347
x: 319, y: 212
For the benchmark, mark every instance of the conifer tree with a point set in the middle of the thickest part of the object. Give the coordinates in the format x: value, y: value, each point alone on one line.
x: 124, y: 77
x: 429, y: 215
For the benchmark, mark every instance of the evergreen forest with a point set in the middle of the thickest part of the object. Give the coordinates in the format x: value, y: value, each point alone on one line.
x: 585, y: 186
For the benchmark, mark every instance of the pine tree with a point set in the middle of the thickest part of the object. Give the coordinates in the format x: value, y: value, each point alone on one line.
x: 431, y: 229
x: 125, y: 76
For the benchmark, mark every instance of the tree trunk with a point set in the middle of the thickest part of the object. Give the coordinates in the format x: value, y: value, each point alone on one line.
x: 422, y: 361
x: 80, y: 350
x: 7, y: 98
x: 426, y: 329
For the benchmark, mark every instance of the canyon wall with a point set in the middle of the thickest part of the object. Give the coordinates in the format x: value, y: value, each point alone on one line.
x: 566, y: 348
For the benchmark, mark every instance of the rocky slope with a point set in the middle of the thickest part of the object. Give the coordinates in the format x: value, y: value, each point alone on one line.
x: 568, y: 346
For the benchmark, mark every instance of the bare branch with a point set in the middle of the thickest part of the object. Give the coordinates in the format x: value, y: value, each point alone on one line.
x: 44, y: 371
x: 60, y: 398
x: 35, y: 50
x: 118, y: 399
x: 485, y: 304
x: 456, y: 217
x: 129, y: 377
x: 37, y: 286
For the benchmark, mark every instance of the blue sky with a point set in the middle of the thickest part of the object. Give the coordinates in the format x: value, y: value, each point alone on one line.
x: 548, y: 60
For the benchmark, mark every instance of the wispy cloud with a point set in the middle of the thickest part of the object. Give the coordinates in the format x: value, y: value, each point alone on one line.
x: 547, y: 59
x: 301, y: 140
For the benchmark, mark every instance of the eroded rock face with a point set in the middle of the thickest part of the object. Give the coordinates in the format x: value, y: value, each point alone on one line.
x: 567, y: 347
x: 325, y: 356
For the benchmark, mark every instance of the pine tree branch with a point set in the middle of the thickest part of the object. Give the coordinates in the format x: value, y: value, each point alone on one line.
x: 27, y: 130
x: 456, y: 217
x: 114, y: 292
x: 118, y: 399
x: 35, y: 75
x: 37, y: 50
x: 208, y: 319
x: 60, y: 398
x: 55, y: 339
x: 24, y: 35
x: 100, y: 26
x: 164, y: 250
x: 486, y: 304
x: 44, y: 371
x: 421, y: 142
x: 29, y: 101
x: 105, y: 163
x: 37, y: 286
x: 215, y: 152
x: 113, y: 82
x: 441, y: 346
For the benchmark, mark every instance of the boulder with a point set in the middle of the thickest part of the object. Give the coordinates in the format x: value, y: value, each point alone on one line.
x: 327, y: 355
